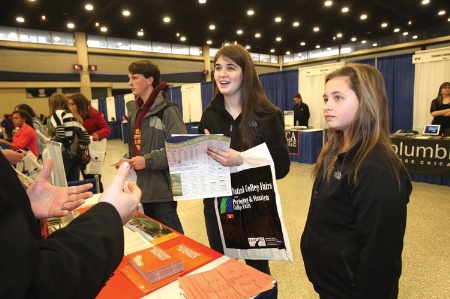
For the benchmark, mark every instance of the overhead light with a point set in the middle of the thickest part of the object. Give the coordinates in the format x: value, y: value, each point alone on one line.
x: 353, y: 39
x: 441, y: 13
x: 278, y: 39
x: 278, y: 19
x: 374, y: 44
x: 339, y: 35
x: 166, y: 19
x: 183, y: 38
x: 363, y: 17
x: 103, y: 29
x: 302, y: 43
x: 296, y: 24
x: 70, y: 25
x: 239, y: 31
x: 317, y: 46
x: 212, y: 27
x: 89, y: 6
x: 425, y: 2
x: 345, y: 9
x: 126, y: 13
x: 247, y: 47
x: 316, y: 29
x: 405, y: 33
x: 20, y: 19
x: 414, y: 37
x: 202, y: 1
x: 363, y: 42
x: 272, y: 50
x: 397, y: 30
x: 328, y: 3
x: 97, y: 24
x: 43, y: 18
x: 209, y: 42
x: 257, y: 35
x: 288, y: 52
x: 140, y: 32
x: 250, y: 12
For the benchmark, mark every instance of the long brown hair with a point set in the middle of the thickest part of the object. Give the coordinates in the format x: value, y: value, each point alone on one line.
x: 439, y: 97
x: 82, y: 104
x: 58, y: 101
x: 370, y: 126
x: 255, y: 104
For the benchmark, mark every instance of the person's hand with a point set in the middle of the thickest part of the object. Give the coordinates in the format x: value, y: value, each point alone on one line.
x: 125, y: 201
x: 13, y: 157
x: 137, y: 162
x: 95, y: 137
x: 230, y: 158
x: 51, y: 201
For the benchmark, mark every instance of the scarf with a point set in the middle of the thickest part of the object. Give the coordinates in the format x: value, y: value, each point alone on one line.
x: 143, y: 109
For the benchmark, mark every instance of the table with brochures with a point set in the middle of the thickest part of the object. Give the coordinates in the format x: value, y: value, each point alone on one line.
x: 120, y: 285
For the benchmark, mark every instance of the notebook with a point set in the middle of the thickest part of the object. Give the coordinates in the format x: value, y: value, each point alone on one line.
x: 431, y: 130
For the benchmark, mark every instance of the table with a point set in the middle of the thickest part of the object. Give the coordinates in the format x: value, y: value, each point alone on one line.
x: 304, y: 145
x: 116, y: 130
x: 427, y: 159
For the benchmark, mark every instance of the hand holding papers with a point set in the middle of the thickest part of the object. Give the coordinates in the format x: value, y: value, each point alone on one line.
x: 193, y: 173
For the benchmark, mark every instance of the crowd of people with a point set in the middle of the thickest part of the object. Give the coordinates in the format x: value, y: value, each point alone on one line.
x: 353, y: 237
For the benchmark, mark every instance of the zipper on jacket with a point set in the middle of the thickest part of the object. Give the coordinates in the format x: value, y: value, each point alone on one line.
x: 350, y: 273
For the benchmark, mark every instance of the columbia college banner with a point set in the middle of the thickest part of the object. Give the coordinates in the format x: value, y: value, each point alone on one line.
x: 424, y: 156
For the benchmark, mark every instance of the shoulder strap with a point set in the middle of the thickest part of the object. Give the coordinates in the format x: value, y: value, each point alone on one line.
x: 160, y: 113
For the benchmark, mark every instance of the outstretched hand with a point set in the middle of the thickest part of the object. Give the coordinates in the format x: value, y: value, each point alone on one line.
x: 124, y: 197
x: 51, y: 201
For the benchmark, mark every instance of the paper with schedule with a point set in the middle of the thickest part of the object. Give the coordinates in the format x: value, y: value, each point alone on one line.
x: 193, y: 174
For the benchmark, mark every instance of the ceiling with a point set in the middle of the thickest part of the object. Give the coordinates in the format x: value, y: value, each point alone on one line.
x: 191, y: 20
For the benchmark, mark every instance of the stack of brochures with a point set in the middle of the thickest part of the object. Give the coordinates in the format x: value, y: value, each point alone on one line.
x: 155, y: 264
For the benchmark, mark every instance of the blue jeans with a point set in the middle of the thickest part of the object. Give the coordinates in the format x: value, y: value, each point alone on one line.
x: 215, y: 242
x: 164, y: 212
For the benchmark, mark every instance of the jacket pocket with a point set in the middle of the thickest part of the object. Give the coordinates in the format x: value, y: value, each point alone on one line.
x: 351, y: 275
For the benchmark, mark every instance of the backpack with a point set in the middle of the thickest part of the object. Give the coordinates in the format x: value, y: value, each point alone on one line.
x: 79, y: 148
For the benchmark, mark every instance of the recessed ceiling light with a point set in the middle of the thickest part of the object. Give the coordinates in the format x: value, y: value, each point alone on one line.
x: 278, y: 39
x: 441, y: 13
x: 208, y: 42
x: 328, y: 3
x: 70, y: 25
x: 140, y: 32
x: 257, y: 35
x: 345, y: 9
x: 43, y: 18
x: 166, y: 19
x: 374, y: 44
x: 278, y: 19
x: 317, y: 46
x: 250, y: 12
x: 302, y: 43
x: 414, y: 36
x: 363, y: 42
x: 247, y: 47
x: 183, y: 38
x: 296, y: 24
x: 339, y: 35
x: 425, y: 1
x: 363, y: 17
x: 316, y: 29
x: 405, y: 33
x: 126, y: 13
x: 201, y: 1
x: 288, y: 52
x: 103, y: 29
x: 89, y: 6
x: 97, y: 24
x: 353, y: 39
x: 397, y: 30
x: 384, y: 25
x: 212, y: 27
x: 410, y: 23
x: 20, y: 19
x: 328, y: 49
x: 272, y: 50
x: 239, y: 31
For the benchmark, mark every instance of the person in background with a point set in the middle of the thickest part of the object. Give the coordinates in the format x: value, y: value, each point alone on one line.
x: 93, y: 122
x: 301, y: 111
x: 8, y: 126
x: 353, y: 237
x: 37, y: 127
x: 73, y: 262
x: 64, y: 123
x: 241, y: 110
x: 13, y: 157
x: 152, y: 119
x: 25, y: 136
x: 124, y: 119
x: 440, y: 109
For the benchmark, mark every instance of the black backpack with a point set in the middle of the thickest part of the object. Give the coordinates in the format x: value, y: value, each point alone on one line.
x: 79, y: 148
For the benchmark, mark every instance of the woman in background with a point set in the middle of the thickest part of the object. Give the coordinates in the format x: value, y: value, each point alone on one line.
x: 64, y: 124
x: 241, y: 110
x: 25, y: 136
x: 37, y: 125
x: 353, y: 237
x: 440, y: 109
x: 93, y: 122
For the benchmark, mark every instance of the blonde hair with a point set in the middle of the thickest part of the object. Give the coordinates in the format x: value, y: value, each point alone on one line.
x: 59, y: 101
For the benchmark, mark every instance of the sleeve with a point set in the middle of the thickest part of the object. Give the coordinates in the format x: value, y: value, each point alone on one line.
x: 434, y: 106
x: 103, y: 130
x: 278, y: 147
x: 24, y: 139
x: 85, y: 253
x: 58, y: 124
x: 172, y: 124
x: 380, y: 227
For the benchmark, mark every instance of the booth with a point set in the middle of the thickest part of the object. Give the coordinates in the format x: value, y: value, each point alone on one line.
x: 304, y: 145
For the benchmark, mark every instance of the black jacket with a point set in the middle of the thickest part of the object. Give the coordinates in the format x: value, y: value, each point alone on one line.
x: 74, y: 262
x: 353, y: 237
x: 217, y: 120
